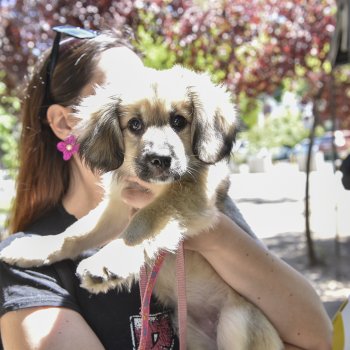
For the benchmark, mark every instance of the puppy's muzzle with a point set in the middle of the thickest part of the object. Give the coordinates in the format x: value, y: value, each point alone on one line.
x: 158, y: 168
x: 161, y: 157
x: 158, y: 163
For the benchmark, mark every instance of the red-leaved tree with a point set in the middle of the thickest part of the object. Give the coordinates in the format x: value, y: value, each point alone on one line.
x: 253, y: 46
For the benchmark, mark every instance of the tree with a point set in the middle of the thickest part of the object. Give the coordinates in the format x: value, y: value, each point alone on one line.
x: 250, y: 45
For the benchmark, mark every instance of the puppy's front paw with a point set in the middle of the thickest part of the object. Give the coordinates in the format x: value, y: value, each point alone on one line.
x: 32, y: 251
x: 114, y: 266
x: 96, y: 278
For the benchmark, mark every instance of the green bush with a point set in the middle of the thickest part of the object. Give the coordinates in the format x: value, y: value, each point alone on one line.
x: 9, y: 130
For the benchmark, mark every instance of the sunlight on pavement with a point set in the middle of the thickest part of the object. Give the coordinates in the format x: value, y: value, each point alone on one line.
x: 273, y: 202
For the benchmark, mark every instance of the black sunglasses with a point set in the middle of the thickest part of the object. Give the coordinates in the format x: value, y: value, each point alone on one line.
x: 71, y: 31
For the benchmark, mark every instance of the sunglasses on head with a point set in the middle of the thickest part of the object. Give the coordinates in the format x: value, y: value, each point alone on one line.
x: 70, y: 31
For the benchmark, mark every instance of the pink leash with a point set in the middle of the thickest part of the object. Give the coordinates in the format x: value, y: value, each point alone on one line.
x: 146, y: 288
x: 181, y: 295
x: 147, y: 284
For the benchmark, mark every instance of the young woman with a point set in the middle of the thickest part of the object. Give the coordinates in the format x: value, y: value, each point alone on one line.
x: 44, y: 308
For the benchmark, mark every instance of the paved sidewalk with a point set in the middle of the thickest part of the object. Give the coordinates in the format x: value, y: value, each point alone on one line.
x: 273, y: 204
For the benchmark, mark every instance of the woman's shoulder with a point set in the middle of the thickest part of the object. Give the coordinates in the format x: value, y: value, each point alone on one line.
x: 42, y: 286
x: 34, y: 287
x: 52, y: 222
x: 6, y: 241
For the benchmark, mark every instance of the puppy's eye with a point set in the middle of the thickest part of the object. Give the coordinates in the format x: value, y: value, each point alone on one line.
x: 135, y: 125
x: 178, y: 122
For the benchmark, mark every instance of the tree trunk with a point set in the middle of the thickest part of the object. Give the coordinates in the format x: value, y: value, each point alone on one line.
x: 313, y: 260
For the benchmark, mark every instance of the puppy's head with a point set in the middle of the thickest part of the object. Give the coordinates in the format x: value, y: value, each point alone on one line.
x: 185, y: 120
x: 135, y: 130
x: 161, y: 128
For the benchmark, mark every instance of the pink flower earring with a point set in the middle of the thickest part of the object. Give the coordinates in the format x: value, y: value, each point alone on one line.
x: 68, y: 147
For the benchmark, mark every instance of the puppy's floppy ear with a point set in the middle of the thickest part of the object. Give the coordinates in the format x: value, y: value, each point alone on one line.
x: 100, y: 137
x: 214, y: 122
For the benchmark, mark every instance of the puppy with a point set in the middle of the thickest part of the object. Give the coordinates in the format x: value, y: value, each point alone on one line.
x: 175, y: 131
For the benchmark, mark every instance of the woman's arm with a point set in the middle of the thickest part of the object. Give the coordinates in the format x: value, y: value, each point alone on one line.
x: 47, y: 328
x: 285, y: 296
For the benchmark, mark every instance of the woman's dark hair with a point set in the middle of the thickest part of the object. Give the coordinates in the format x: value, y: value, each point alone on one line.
x: 43, y: 176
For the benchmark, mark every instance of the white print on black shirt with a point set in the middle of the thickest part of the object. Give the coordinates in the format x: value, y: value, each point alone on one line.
x: 161, y: 334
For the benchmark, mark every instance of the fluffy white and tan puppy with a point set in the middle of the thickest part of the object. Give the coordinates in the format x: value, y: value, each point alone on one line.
x: 175, y: 130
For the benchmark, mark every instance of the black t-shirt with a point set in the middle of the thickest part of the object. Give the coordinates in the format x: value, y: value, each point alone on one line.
x: 114, y: 316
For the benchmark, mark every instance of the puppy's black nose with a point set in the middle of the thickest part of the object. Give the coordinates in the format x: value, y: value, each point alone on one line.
x: 159, y: 162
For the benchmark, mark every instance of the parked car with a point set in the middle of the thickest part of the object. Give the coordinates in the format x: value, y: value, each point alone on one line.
x: 341, y: 142
x: 324, y: 144
x: 302, y: 148
x: 281, y: 153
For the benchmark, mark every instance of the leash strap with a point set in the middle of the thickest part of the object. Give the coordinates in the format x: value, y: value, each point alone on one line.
x: 181, y: 295
x: 146, y: 288
x: 147, y: 283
